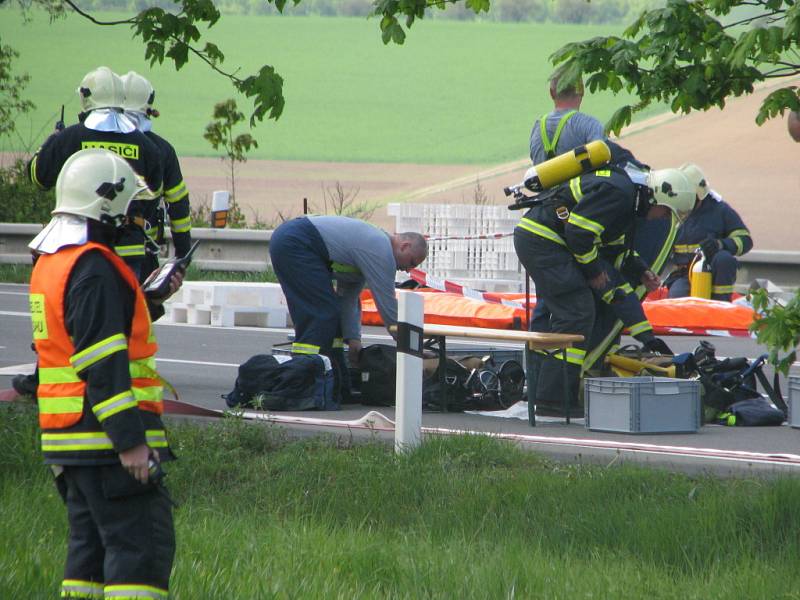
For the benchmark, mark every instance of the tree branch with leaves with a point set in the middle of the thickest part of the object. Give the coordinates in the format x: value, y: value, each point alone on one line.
x: 693, y: 56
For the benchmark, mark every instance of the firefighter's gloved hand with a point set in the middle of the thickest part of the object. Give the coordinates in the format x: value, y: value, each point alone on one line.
x: 710, y: 247
x: 657, y: 345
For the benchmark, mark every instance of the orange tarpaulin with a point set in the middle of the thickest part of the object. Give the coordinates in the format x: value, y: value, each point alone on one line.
x: 689, y: 316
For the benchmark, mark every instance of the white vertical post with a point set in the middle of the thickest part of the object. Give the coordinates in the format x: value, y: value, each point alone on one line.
x: 408, y: 410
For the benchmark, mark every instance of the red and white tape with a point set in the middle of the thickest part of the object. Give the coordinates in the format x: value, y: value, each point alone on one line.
x: 491, y: 236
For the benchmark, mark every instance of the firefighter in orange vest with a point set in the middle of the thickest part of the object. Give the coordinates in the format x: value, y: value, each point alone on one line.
x: 99, y: 395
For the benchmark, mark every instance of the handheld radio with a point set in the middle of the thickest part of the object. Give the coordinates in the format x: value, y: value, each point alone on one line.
x: 156, y: 286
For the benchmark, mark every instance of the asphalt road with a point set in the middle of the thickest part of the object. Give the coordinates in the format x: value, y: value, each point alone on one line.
x: 201, y: 363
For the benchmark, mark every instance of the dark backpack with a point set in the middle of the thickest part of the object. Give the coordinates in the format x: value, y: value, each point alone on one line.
x: 298, y: 382
x: 378, y: 364
x: 733, y: 382
x: 482, y: 387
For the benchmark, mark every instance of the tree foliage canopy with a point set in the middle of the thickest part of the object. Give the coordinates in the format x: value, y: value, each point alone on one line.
x: 694, y: 55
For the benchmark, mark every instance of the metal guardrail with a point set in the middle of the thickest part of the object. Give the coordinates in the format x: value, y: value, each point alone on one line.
x: 220, y: 249
x: 248, y: 250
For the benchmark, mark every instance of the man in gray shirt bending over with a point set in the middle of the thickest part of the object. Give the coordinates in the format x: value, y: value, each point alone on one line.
x: 311, y: 255
x: 565, y: 128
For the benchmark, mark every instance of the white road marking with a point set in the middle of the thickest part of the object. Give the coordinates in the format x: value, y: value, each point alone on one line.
x: 24, y: 368
x: 196, y: 362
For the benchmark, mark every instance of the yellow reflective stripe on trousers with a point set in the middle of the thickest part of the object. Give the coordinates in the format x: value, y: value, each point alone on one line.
x: 584, y: 223
x: 126, y: 251
x: 78, y: 588
x: 575, y: 356
x: 588, y: 257
x: 96, y: 352
x: 541, y: 230
x: 181, y: 225
x: 640, y: 327
x: 129, y: 591
x: 722, y: 289
x: 94, y: 440
x: 176, y: 193
x: 338, y: 343
x: 113, y: 405
x: 50, y: 405
x: 300, y: 348
x: 48, y: 375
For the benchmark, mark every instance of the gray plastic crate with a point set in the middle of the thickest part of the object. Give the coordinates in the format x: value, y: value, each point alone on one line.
x: 794, y: 401
x: 642, y: 404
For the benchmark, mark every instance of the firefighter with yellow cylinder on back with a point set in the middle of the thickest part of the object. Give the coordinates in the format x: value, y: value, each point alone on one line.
x: 103, y: 124
x: 565, y: 243
x: 99, y: 395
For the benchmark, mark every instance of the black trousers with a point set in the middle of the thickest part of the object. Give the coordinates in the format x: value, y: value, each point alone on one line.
x: 121, y: 533
x: 570, y: 308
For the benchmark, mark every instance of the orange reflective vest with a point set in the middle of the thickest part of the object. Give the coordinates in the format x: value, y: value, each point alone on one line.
x: 61, y: 391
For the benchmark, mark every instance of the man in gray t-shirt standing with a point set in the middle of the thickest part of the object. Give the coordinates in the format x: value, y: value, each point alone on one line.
x: 565, y: 128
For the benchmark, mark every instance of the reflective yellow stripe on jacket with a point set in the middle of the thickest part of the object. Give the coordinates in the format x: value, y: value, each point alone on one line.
x: 94, y: 440
x: 97, y: 352
x: 541, y: 230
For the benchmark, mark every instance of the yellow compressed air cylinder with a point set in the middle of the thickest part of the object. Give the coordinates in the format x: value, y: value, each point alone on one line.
x: 637, y: 367
x: 565, y: 166
x: 699, y: 279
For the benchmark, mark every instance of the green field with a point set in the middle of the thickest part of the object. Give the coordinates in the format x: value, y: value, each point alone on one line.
x: 456, y: 92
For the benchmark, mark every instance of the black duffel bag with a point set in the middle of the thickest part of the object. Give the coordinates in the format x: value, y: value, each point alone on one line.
x: 269, y: 382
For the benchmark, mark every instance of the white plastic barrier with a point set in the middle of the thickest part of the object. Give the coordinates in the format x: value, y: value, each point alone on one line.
x: 228, y: 304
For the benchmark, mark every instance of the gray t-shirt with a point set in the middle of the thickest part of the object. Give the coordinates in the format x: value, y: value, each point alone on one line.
x: 579, y: 129
x: 361, y: 253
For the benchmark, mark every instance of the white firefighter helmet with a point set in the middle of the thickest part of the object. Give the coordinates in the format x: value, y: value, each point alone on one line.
x: 139, y: 93
x: 101, y: 88
x: 671, y: 188
x: 97, y: 184
x: 696, y: 178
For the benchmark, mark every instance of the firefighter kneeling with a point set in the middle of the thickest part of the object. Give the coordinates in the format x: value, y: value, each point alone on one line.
x: 99, y: 395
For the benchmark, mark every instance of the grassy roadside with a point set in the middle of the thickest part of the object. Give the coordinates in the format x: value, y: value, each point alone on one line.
x: 22, y: 274
x: 263, y: 516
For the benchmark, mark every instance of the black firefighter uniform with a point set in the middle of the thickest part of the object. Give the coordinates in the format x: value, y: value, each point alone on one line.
x: 581, y: 230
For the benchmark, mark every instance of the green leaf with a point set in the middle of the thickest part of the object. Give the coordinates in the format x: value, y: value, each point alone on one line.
x: 619, y: 119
